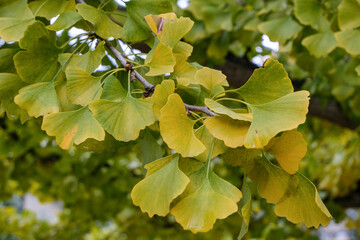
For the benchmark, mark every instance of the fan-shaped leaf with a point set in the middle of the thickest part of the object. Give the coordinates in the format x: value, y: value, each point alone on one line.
x: 50, y: 9
x: 348, y: 40
x: 309, y: 12
x: 161, y: 94
x: 221, y: 109
x: 349, y: 17
x: 10, y: 84
x: 163, y: 183
x: 320, y: 44
x: 160, y: 60
x: 203, y: 134
x: 210, y: 78
x: 65, y: 20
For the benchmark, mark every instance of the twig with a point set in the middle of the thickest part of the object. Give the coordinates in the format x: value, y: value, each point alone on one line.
x: 149, y: 88
x: 81, y: 1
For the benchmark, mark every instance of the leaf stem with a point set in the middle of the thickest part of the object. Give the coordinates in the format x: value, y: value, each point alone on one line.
x: 232, y: 99
x: 209, y: 158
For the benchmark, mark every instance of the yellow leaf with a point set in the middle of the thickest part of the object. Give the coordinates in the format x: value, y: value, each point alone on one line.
x: 160, y: 60
x: 203, y: 134
x: 161, y: 94
x: 210, y: 78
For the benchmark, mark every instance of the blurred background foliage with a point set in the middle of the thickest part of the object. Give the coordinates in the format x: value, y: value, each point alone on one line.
x: 94, y: 186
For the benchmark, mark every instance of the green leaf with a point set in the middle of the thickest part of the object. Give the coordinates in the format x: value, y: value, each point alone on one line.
x: 221, y: 109
x: 113, y: 90
x: 103, y: 26
x: 39, y: 62
x: 348, y: 16
x: 64, y: 21
x: 240, y: 156
x: 172, y: 30
x: 294, y: 196
x: 52, y: 8
x: 210, y: 78
x: 124, y: 120
x: 177, y: 129
x: 148, y: 149
x: 15, y: 9
x: 12, y: 29
x: 163, y: 183
x: 10, y: 84
x: 281, y: 29
x: 348, y: 40
x: 206, y: 198
x: 320, y: 44
x: 135, y: 28
x: 161, y: 94
x: 245, y: 209
x: 288, y: 149
x: 285, y: 113
x: 274, y: 82
x: 183, y: 71
x: 81, y: 87
x: 88, y: 61
x: 72, y: 127
x: 203, y: 134
x: 38, y: 99
x: 160, y: 60
x: 231, y: 131
x: 6, y: 59
x: 309, y: 12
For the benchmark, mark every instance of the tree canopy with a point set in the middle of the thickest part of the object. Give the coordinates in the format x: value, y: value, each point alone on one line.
x: 146, y: 119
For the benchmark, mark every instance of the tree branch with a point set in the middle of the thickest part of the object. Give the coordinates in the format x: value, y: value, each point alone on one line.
x: 149, y: 88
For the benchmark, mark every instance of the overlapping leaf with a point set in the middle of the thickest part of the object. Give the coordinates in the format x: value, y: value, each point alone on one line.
x: 113, y: 90
x: 177, y: 129
x: 245, y: 209
x: 206, y: 198
x: 73, y: 127
x: 124, y: 120
x: 10, y: 84
x: 103, y: 26
x: 65, y: 20
x: 163, y: 183
x: 348, y: 40
x: 210, y: 78
x: 221, y: 109
x: 203, y: 134
x: 39, y: 62
x: 38, y: 99
x: 349, y: 17
x: 50, y: 9
x: 161, y: 94
x: 288, y: 149
x: 309, y: 12
x: 320, y: 44
x: 160, y: 60
x: 294, y: 196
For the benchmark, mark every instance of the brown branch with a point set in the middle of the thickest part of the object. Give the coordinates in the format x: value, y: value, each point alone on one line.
x: 149, y: 88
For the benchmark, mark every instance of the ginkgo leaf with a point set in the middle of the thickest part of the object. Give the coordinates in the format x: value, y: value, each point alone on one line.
x: 320, y: 44
x: 81, y: 87
x: 124, y: 120
x: 6, y: 60
x: 65, y: 20
x: 245, y: 209
x: 10, y: 84
x: 349, y: 17
x: 274, y: 82
x: 60, y: 86
x: 184, y: 70
x: 15, y: 9
x: 203, y: 134
x: 183, y: 48
x: 160, y: 60
x: 285, y: 113
x: 135, y: 28
x: 50, y: 9
x: 280, y: 29
x: 163, y: 183
x: 288, y: 149
x: 177, y: 129
x: 38, y: 99
x: 73, y: 127
x: 113, y: 90
x: 221, y: 109
x: 39, y: 62
x: 309, y: 12
x: 294, y: 196
x: 206, y: 198
x: 240, y: 156
x: 12, y: 29
x: 88, y: 61
x: 161, y: 94
x: 210, y: 78
x: 172, y: 29
x: 147, y: 148
x: 231, y: 131
x: 103, y: 26
x: 348, y: 40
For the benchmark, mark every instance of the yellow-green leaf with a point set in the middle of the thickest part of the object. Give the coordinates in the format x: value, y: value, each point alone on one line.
x: 221, y: 109
x: 210, y: 78
x: 348, y: 40
x: 245, y: 209
x: 349, y: 17
x: 294, y: 196
x: 161, y: 94
x: 240, y: 156
x: 160, y: 60
x: 38, y: 99
x: 309, y: 12
x: 206, y: 198
x: 288, y: 149
x: 65, y: 20
x: 274, y: 82
x: 73, y: 127
x: 172, y: 29
x: 231, y: 131
x: 320, y: 44
x: 15, y: 9
x: 163, y: 183
x: 52, y: 8
x: 113, y: 90
x: 12, y: 29
x: 203, y: 134
x: 124, y: 120
x: 177, y: 129
x: 283, y: 114
x: 10, y: 84
x: 81, y: 87
x: 103, y: 26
